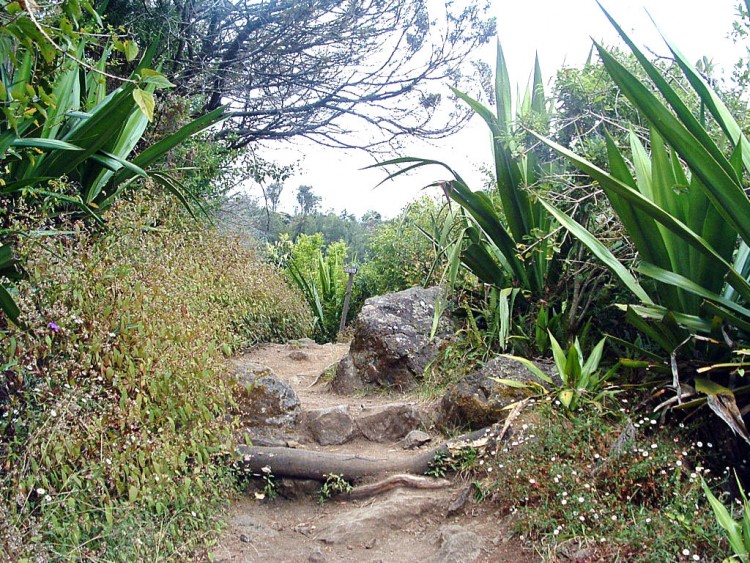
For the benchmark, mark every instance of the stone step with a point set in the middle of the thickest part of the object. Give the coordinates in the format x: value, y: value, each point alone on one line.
x: 343, y: 423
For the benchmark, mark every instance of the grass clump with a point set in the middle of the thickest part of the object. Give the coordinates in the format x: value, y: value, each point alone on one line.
x: 601, y: 486
x: 114, y: 400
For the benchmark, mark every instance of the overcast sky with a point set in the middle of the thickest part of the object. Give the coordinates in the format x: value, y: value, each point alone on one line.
x: 561, y: 31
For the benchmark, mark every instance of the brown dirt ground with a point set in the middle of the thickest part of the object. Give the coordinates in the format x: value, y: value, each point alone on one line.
x: 282, y: 530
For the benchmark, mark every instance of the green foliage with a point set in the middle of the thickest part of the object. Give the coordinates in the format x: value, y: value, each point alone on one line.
x: 622, y: 489
x: 737, y: 532
x: 686, y: 210
x: 317, y: 272
x: 449, y: 461
x: 581, y: 378
x: 270, y: 488
x: 402, y: 252
x: 685, y: 223
x: 64, y: 142
x: 507, y: 236
x: 333, y: 485
x: 114, y: 434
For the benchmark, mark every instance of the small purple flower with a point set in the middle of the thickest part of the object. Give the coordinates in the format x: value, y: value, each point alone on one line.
x: 53, y: 327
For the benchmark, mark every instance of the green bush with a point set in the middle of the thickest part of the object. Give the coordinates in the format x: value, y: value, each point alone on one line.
x: 114, y: 401
x: 317, y: 270
x: 401, y: 252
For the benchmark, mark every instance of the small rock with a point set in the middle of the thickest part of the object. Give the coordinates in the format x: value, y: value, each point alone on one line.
x: 415, y: 439
x: 331, y: 426
x: 304, y: 528
x: 389, y: 423
x: 267, y: 437
x: 264, y: 399
x: 244, y: 538
x: 457, y: 545
x: 458, y: 503
x: 316, y: 556
x: 250, y: 527
x: 299, y: 356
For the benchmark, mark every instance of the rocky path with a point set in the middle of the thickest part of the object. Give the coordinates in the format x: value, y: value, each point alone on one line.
x: 400, y: 525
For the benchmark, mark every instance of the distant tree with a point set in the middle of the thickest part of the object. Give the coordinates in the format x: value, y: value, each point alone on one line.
x: 319, y: 68
x: 274, y: 194
x: 372, y: 218
x: 308, y: 201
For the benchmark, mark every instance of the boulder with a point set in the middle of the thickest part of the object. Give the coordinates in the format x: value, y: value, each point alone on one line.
x: 391, y: 346
x: 264, y: 400
x: 331, y: 426
x: 389, y: 423
x: 477, y: 400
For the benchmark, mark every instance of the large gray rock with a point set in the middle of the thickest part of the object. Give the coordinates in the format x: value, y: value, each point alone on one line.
x: 389, y: 423
x: 264, y: 400
x: 331, y: 426
x: 477, y: 400
x: 391, y: 345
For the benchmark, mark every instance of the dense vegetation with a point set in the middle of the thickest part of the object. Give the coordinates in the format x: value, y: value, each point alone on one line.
x: 612, y: 236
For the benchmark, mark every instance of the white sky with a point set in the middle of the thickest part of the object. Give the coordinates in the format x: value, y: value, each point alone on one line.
x: 561, y: 31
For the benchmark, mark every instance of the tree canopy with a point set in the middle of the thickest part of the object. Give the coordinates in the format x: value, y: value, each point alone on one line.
x: 319, y: 69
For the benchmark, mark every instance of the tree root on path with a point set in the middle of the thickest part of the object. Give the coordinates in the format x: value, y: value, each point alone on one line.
x: 310, y: 464
x: 394, y: 481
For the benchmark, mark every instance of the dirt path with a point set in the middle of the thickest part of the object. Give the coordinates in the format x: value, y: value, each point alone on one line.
x: 402, y: 525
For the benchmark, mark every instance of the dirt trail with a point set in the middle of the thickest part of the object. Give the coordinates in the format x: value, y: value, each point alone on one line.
x: 400, y: 526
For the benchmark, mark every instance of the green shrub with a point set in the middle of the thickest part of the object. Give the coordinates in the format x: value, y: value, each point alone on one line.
x: 317, y: 270
x: 114, y: 401
x: 401, y: 252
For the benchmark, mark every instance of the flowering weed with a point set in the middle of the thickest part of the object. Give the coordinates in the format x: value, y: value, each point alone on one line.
x: 605, y: 487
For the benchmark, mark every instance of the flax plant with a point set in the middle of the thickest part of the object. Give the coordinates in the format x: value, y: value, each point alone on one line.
x: 506, y: 238
x: 685, y: 209
x: 67, y: 144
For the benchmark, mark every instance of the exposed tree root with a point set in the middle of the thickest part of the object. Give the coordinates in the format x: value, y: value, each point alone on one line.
x: 394, y: 481
x: 310, y: 464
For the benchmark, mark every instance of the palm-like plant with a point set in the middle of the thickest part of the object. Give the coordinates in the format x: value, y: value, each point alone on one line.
x: 323, y: 293
x: 580, y: 377
x: 684, y: 208
x: 506, y: 237
x: 687, y: 213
